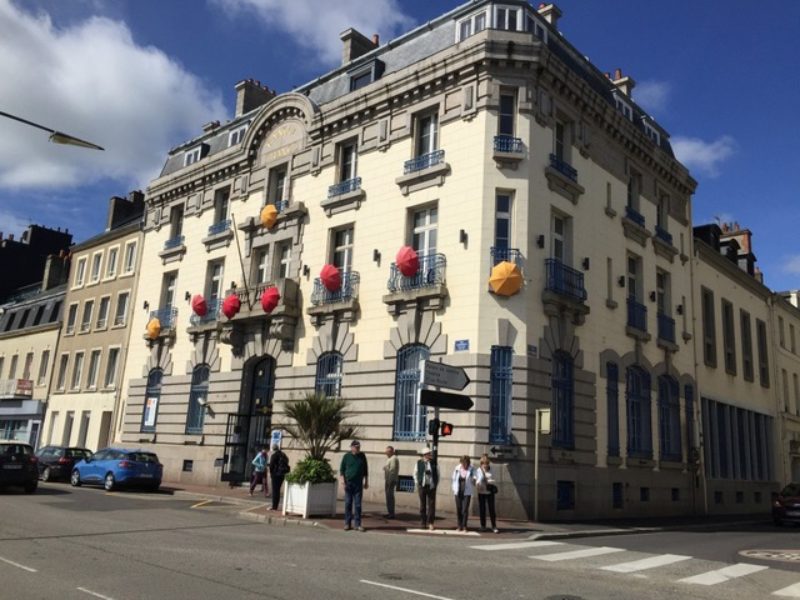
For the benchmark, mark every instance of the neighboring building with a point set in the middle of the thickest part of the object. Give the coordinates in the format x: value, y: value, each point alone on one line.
x: 22, y: 261
x: 85, y: 382
x: 786, y: 329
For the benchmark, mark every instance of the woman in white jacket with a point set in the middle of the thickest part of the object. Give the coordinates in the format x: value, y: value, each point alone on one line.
x: 487, y: 488
x: 463, y: 488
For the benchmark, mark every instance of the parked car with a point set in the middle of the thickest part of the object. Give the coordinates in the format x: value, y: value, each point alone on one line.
x: 18, y: 466
x: 117, y: 467
x: 786, y: 507
x: 56, y: 462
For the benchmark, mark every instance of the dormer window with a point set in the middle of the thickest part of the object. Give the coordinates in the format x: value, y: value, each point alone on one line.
x: 366, y: 74
x: 624, y: 107
x: 536, y: 28
x: 508, y: 18
x: 471, y: 25
x: 236, y: 136
x: 191, y: 156
x: 651, y: 132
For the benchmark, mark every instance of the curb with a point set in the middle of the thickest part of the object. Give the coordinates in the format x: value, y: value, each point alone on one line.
x: 562, y: 535
x: 284, y: 521
x: 216, y: 498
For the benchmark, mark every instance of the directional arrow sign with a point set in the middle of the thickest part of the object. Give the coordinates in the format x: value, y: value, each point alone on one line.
x: 441, y: 375
x: 445, y: 400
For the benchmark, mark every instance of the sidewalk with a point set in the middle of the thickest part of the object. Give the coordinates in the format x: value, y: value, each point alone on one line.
x: 256, y: 508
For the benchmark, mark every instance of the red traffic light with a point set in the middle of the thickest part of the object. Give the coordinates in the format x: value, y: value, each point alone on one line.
x: 447, y: 429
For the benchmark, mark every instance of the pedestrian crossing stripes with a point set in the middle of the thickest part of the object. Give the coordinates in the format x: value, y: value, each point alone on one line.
x: 517, y: 545
x: 573, y: 554
x: 646, y: 563
x: 793, y: 591
x: 724, y: 574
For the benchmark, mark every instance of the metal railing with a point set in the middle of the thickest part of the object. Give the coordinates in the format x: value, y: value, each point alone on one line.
x: 634, y: 215
x: 423, y: 162
x: 220, y: 227
x: 348, y: 290
x: 663, y: 235
x: 85, y: 326
x: 119, y: 320
x: 345, y: 187
x: 564, y: 280
x: 430, y: 273
x: 70, y: 328
x: 637, y: 315
x: 563, y: 167
x: 506, y: 143
x: 212, y: 314
x: 173, y: 242
x: 666, y: 328
x: 281, y: 205
x: 508, y: 254
x: 168, y: 317
x: 101, y: 323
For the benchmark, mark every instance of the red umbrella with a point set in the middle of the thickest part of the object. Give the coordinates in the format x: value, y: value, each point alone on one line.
x: 407, y: 260
x: 270, y: 298
x: 331, y: 278
x: 199, y: 306
x: 231, y: 306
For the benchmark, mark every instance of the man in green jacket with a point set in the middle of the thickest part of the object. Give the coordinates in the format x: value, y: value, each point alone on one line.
x: 355, y: 479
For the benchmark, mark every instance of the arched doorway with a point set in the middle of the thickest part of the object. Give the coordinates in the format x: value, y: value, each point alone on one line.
x: 248, y: 430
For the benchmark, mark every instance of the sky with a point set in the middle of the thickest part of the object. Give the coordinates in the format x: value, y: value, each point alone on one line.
x: 139, y: 77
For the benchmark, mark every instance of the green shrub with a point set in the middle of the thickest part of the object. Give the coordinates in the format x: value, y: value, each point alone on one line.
x: 311, y: 470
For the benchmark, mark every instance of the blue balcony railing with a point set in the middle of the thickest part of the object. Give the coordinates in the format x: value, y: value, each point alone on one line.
x: 173, y: 242
x: 564, y: 280
x: 508, y: 254
x: 212, y: 314
x: 220, y: 227
x: 168, y: 317
x: 423, y: 162
x: 506, y: 143
x: 345, y: 187
x: 430, y: 273
x: 563, y: 167
x: 634, y: 215
x: 637, y: 315
x: 666, y: 328
x: 348, y: 291
x: 663, y: 235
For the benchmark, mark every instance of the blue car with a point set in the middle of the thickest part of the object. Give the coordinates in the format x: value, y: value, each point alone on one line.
x: 117, y: 467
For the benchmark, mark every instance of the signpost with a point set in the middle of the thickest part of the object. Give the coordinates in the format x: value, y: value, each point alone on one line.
x: 441, y: 375
x: 445, y: 400
x: 541, y: 423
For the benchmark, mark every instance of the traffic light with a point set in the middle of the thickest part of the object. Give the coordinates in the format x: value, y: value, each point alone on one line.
x: 433, y: 426
x: 447, y: 429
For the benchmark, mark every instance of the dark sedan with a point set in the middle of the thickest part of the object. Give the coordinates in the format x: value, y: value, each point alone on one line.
x: 18, y: 466
x: 56, y: 462
x: 786, y: 507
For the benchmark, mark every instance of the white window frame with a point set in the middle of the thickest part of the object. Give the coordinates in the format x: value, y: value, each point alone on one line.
x: 432, y: 131
x: 534, y: 26
x: 191, y: 156
x: 236, y: 136
x: 44, y: 360
x: 345, y: 173
x: 97, y: 261
x: 215, y: 281
x: 508, y: 10
x: 283, y: 259
x: 77, y: 371
x: 472, y: 22
x: 104, y: 324
x: 261, y: 272
x: 88, y: 307
x: 63, y: 370
x: 127, y: 295
x: 222, y: 204
x: 345, y: 249
x: 425, y: 237
x: 623, y: 107
x: 130, y: 249
x: 111, y: 263
x: 109, y: 375
x: 72, y: 319
x: 95, y: 359
x: 651, y: 133
x: 80, y: 273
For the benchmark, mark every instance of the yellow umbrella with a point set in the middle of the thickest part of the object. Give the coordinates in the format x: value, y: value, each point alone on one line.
x: 506, y: 279
x: 269, y: 215
x: 153, y: 328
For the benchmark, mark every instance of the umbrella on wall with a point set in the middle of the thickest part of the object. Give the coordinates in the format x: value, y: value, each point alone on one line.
x: 270, y: 299
x: 269, y: 216
x: 331, y: 277
x: 231, y: 305
x: 153, y: 328
x: 506, y: 279
x: 199, y: 305
x: 407, y: 260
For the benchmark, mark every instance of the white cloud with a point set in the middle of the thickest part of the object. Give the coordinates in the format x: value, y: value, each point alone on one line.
x: 91, y: 80
x: 11, y: 224
x: 652, y: 95
x: 316, y: 24
x: 705, y: 157
x: 792, y: 265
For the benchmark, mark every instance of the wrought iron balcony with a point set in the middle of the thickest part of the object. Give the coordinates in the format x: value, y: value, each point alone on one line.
x: 348, y: 291
x: 423, y: 162
x: 168, y: 316
x: 634, y: 215
x: 666, y: 328
x: 212, y: 314
x: 430, y: 273
x: 563, y: 167
x: 173, y: 242
x: 663, y: 234
x: 410, y: 436
x: 508, y: 254
x: 506, y: 143
x: 564, y: 280
x: 345, y: 187
x: 637, y: 315
x: 219, y: 227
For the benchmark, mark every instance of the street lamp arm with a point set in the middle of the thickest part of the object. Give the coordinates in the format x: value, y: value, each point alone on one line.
x: 57, y: 137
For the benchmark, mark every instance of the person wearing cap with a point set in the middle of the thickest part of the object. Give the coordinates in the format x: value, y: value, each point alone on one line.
x: 426, y: 478
x: 354, y: 475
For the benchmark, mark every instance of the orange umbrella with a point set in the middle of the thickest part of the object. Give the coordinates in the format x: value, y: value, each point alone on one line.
x: 269, y: 215
x: 153, y: 328
x: 506, y: 279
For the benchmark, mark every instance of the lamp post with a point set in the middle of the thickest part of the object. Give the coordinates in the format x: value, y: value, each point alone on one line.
x: 57, y: 137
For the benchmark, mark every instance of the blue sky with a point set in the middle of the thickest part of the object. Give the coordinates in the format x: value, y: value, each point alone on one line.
x: 141, y: 76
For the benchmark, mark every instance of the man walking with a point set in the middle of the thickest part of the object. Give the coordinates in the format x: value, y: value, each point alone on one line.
x: 426, y: 477
x: 391, y: 473
x: 355, y: 479
x: 278, y: 468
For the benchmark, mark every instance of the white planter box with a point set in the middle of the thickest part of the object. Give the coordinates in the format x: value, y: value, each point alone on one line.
x: 307, y: 499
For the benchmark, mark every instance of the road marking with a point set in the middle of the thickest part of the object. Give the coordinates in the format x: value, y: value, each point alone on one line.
x: 19, y: 566
x: 201, y: 503
x: 408, y: 591
x: 95, y: 594
x: 444, y: 532
x: 516, y: 545
x: 585, y: 553
x: 793, y: 591
x: 646, y: 563
x: 260, y: 506
x: 724, y: 574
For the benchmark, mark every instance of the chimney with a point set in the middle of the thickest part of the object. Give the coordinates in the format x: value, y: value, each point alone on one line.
x: 56, y: 270
x: 355, y: 44
x: 376, y: 40
x: 122, y: 210
x: 743, y: 238
x: 624, y: 84
x: 251, y: 94
x: 550, y: 13
x: 210, y: 126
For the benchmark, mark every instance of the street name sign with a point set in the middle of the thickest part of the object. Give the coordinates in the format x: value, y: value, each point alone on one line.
x: 445, y: 400
x: 441, y: 375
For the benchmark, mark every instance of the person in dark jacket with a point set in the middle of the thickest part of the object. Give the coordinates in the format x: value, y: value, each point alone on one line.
x: 354, y: 475
x: 426, y: 478
x: 278, y: 469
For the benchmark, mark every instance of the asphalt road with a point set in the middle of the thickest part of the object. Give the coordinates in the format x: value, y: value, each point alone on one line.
x: 83, y: 543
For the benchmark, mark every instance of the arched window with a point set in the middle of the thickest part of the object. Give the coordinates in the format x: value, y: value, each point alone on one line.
x: 563, y: 401
x: 198, y: 398
x: 329, y: 375
x: 409, y: 416
x: 612, y: 399
x: 640, y: 438
x: 669, y: 419
x: 500, y: 382
x: 152, y: 396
